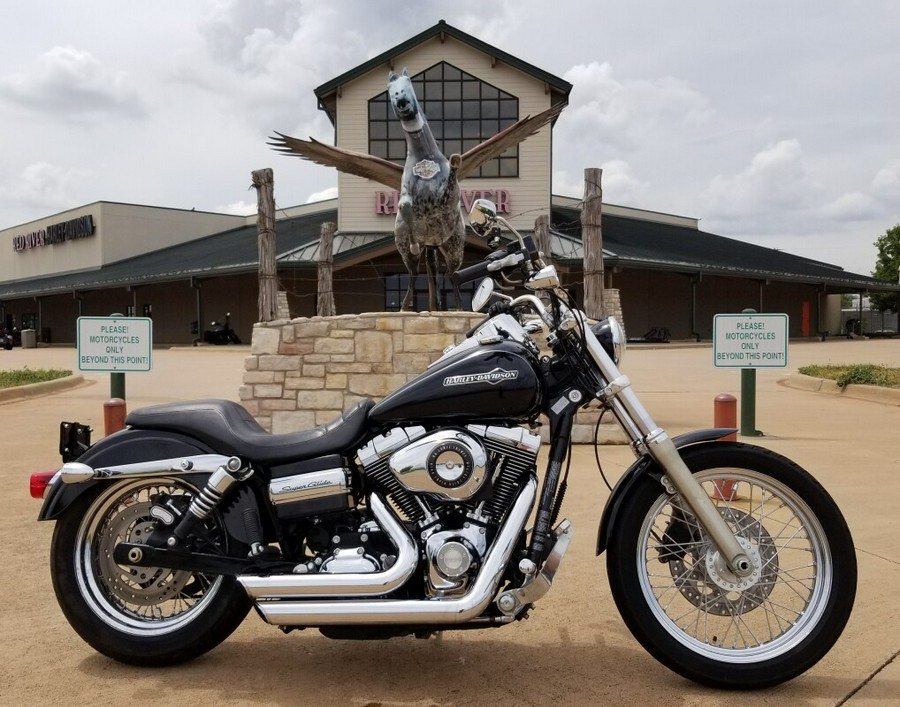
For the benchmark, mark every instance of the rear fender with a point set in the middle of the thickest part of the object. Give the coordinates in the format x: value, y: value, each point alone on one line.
x: 125, y: 447
x: 645, y: 466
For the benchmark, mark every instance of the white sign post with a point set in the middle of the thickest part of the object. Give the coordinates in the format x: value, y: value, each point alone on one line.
x: 115, y: 344
x: 750, y: 340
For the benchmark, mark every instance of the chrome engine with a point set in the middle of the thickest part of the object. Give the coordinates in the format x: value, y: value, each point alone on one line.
x: 455, y: 485
x: 449, y: 464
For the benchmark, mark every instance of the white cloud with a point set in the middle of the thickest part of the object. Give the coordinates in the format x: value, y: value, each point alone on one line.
x: 238, y: 208
x: 329, y: 193
x: 632, y: 128
x: 73, y: 84
x: 43, y: 186
x: 497, y: 23
x: 620, y: 185
x: 617, y: 115
x: 886, y: 183
x: 774, y: 184
x: 854, y: 206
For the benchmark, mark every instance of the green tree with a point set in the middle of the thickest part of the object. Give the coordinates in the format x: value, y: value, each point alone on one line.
x: 887, y: 267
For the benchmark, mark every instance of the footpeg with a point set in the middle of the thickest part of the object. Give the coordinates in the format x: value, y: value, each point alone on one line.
x: 512, y: 601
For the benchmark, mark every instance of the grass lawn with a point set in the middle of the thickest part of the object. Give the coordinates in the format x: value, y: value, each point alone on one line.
x: 25, y: 376
x: 860, y: 373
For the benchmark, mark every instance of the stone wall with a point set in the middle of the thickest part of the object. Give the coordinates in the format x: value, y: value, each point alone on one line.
x: 304, y: 372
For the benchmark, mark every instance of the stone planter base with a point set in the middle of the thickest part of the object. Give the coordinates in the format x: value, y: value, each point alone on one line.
x: 304, y: 372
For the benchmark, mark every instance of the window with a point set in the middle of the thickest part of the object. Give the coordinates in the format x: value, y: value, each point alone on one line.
x: 395, y: 287
x: 462, y: 111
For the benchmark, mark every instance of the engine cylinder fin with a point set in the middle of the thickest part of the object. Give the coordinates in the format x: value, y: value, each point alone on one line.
x: 515, y: 464
x: 399, y: 497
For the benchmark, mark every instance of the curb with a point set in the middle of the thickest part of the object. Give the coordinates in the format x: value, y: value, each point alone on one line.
x: 34, y: 389
x: 872, y: 393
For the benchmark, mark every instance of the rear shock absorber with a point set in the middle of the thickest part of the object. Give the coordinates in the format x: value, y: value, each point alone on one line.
x: 209, y: 497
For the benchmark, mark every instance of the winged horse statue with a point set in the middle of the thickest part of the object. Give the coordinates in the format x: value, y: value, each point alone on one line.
x: 429, y: 218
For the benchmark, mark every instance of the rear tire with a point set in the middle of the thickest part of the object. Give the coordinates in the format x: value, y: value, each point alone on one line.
x: 685, y: 607
x: 138, y: 615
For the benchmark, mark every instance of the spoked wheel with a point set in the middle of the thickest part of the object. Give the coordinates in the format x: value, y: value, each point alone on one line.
x: 681, y: 601
x: 140, y: 615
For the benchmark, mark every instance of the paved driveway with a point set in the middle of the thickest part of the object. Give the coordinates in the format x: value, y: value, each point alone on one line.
x: 573, y: 650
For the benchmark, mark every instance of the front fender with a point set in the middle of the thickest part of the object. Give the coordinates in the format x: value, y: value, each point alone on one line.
x: 647, y: 466
x: 124, y: 447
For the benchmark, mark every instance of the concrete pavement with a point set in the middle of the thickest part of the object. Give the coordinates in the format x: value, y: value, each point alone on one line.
x: 849, y: 444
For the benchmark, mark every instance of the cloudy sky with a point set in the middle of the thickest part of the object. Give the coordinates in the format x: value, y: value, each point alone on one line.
x: 776, y: 122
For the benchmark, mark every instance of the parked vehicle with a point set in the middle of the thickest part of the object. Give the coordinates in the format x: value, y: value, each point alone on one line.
x: 219, y: 333
x: 7, y: 339
x: 410, y: 515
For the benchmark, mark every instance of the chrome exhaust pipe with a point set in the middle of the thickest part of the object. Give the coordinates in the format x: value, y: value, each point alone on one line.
x: 325, y: 584
x: 408, y: 611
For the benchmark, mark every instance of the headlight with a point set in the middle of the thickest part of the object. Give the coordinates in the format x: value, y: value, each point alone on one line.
x: 611, y: 336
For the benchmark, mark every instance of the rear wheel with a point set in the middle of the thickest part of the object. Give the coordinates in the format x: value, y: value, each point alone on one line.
x: 682, y: 603
x: 139, y: 615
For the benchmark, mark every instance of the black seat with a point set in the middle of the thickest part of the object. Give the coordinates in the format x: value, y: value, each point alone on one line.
x: 228, y: 428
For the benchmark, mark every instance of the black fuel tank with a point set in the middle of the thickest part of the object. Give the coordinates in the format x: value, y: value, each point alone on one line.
x: 499, y: 381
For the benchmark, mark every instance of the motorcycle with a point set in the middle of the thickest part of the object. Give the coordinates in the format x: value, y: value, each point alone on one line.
x: 7, y: 339
x: 219, y: 334
x: 410, y: 516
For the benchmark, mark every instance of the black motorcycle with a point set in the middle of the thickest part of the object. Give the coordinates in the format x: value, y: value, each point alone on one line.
x: 409, y: 516
x: 219, y: 333
x: 7, y: 339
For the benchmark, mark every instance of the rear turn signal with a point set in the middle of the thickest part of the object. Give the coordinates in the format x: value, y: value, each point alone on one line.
x: 40, y: 482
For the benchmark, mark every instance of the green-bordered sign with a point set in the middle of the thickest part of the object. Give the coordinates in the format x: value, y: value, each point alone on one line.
x: 114, y: 344
x: 750, y: 340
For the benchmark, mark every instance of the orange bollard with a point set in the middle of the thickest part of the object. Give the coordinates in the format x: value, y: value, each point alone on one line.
x: 725, y: 415
x: 114, y: 412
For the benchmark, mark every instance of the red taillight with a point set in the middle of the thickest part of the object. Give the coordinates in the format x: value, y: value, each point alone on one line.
x: 40, y: 482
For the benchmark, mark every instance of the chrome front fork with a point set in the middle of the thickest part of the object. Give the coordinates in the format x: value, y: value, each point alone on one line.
x: 638, y: 424
x: 663, y: 451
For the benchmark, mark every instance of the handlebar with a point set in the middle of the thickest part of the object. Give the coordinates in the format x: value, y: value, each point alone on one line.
x: 499, y: 260
x: 473, y: 272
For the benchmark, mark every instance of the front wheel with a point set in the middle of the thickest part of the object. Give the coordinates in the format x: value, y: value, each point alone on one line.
x: 140, y: 615
x: 682, y: 603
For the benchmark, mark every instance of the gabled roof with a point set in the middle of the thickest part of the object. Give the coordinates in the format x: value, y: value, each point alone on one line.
x: 641, y: 243
x: 326, y: 93
x: 653, y: 245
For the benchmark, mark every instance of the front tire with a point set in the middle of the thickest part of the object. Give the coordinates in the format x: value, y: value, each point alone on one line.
x: 679, y: 599
x: 139, y: 615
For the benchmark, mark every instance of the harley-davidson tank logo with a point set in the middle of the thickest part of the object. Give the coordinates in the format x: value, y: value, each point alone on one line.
x: 426, y: 169
x: 491, y: 377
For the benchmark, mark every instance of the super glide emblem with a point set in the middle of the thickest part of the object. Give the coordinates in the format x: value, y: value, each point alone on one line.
x: 491, y: 377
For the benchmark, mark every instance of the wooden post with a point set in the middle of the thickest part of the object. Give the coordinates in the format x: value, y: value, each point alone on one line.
x: 542, y: 236
x: 263, y: 182
x: 592, y: 240
x: 325, y: 289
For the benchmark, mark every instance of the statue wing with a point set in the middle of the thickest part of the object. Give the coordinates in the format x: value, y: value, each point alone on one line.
x: 502, y: 141
x: 356, y: 163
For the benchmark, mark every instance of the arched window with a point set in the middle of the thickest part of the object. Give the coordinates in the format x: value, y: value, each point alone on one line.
x: 462, y: 111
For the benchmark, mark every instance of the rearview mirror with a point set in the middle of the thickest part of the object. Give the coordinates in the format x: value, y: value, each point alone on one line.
x: 483, y: 217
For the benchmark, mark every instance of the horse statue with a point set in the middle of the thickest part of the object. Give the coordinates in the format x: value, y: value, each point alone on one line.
x: 429, y: 219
